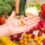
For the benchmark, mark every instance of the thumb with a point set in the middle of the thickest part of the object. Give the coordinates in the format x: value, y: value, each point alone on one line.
x: 13, y: 14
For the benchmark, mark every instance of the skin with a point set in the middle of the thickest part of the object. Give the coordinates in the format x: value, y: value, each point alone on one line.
x: 12, y: 24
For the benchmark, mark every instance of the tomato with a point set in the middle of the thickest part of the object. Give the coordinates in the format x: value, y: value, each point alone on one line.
x: 2, y: 20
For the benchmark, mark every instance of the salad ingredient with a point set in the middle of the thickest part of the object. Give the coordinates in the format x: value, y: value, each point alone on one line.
x: 2, y: 20
x: 6, y: 7
x: 43, y: 10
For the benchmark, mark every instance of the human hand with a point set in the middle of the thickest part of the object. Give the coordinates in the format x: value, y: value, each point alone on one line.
x: 14, y: 23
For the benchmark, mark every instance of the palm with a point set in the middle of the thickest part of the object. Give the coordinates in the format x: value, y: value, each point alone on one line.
x: 12, y: 25
x: 15, y: 27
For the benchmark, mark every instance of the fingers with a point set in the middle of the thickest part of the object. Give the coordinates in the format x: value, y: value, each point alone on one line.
x: 32, y: 17
x: 11, y: 17
x: 30, y: 23
x: 27, y: 18
x: 29, y: 27
x: 25, y: 28
x: 33, y: 20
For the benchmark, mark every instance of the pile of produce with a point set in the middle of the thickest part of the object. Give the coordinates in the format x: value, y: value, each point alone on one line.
x: 35, y: 36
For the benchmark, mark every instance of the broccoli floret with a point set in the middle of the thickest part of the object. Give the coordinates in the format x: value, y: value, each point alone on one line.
x: 11, y: 2
x: 2, y: 3
x: 6, y: 6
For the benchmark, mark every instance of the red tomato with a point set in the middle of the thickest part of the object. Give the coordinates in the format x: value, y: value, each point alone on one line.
x: 2, y: 20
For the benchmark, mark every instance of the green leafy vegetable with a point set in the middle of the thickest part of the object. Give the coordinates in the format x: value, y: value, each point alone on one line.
x: 6, y: 6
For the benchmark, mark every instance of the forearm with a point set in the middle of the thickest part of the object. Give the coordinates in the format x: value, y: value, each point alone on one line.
x: 3, y: 30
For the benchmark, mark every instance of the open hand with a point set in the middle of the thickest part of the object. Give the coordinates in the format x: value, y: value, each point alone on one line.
x: 15, y: 26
